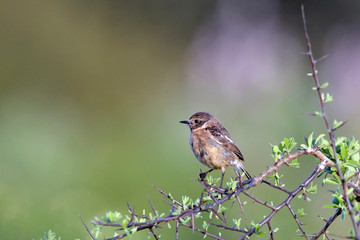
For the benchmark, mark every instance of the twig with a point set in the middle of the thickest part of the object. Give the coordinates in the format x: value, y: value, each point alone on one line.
x: 154, y: 234
x: 229, y: 228
x: 168, y: 196
x: 177, y: 230
x: 271, y: 231
x: 296, y: 220
x: 203, y: 232
x: 277, y: 187
x: 259, y: 201
x: 153, y: 208
x: 240, y: 204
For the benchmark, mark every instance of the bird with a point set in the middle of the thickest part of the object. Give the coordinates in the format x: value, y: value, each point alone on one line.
x: 212, y: 145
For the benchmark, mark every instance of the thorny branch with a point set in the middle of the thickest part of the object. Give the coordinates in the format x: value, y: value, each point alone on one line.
x: 330, y: 130
x: 219, y: 196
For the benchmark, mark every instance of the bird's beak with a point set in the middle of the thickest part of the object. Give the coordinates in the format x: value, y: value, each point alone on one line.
x: 185, y: 122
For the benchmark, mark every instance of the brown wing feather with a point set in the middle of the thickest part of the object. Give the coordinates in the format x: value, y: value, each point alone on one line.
x: 223, y: 136
x: 232, y: 147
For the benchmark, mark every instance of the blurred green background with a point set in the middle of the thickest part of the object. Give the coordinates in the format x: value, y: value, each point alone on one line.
x: 91, y: 94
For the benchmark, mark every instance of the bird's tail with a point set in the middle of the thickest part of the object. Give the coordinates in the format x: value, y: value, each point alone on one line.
x: 239, y: 167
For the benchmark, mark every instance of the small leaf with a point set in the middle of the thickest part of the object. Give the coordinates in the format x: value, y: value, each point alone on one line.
x: 325, y: 85
x: 124, y: 223
x: 260, y: 233
x: 336, y: 124
x: 310, y: 74
x: 300, y: 212
x: 310, y: 139
x: 331, y: 181
x: 295, y: 163
x: 204, y: 225
x: 319, y: 137
x: 111, y: 216
x: 328, y: 98
x: 257, y: 227
x: 344, y: 152
x: 318, y: 114
x: 336, y: 177
x: 352, y: 163
x: 329, y: 206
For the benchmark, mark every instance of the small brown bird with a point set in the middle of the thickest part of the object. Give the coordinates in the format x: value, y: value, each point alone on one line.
x: 212, y: 145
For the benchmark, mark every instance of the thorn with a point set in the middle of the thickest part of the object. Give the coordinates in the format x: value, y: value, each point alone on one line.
x: 153, y: 208
x: 322, y: 58
x: 192, y: 222
x: 88, y: 230
x: 334, y: 129
x: 177, y: 230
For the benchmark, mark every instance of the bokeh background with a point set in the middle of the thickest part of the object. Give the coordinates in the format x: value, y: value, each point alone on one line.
x: 91, y: 94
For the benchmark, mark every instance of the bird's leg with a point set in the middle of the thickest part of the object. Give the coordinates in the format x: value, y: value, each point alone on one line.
x: 222, y: 176
x: 238, y: 176
x: 202, y: 175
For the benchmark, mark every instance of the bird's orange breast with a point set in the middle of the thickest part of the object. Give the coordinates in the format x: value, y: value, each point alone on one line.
x: 209, y: 151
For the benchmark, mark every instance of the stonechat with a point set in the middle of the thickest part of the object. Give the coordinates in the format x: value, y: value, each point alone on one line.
x: 212, y: 145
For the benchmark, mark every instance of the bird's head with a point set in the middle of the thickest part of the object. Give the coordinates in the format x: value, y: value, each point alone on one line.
x: 199, y: 120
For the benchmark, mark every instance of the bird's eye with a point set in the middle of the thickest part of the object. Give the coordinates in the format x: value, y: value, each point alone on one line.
x: 196, y: 121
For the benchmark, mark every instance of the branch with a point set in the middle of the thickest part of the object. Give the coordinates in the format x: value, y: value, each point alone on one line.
x: 218, y: 196
x: 329, y: 129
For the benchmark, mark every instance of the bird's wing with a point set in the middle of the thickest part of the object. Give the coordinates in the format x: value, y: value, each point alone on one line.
x: 223, y: 137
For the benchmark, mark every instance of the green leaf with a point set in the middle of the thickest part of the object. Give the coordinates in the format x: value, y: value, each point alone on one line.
x: 300, y: 213
x: 205, y: 225
x: 336, y: 177
x: 289, y: 144
x: 319, y: 137
x: 111, y: 216
x: 312, y: 189
x: 352, y: 163
x: 294, y: 163
x: 330, y: 206
x: 185, y: 200
x: 50, y: 235
x: 318, y: 114
x: 311, y: 74
x: 237, y: 223
x: 331, y: 181
x: 336, y: 124
x: 337, y: 200
x: 124, y: 223
x: 260, y: 233
x: 257, y: 227
x: 325, y: 85
x: 96, y: 231
x: 328, y: 98
x: 344, y: 152
x: 310, y: 140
